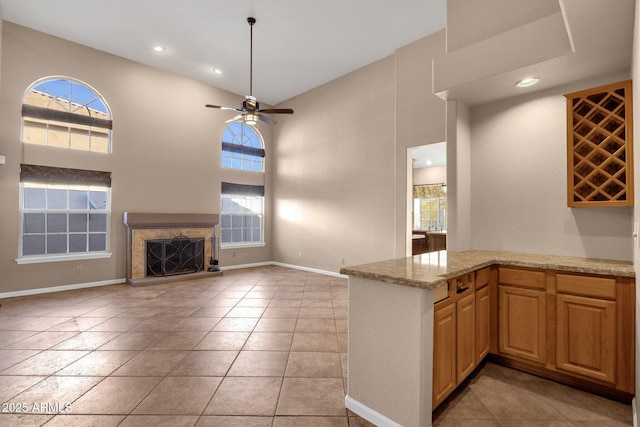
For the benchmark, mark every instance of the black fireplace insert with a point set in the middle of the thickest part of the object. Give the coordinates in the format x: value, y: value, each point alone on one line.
x: 180, y: 255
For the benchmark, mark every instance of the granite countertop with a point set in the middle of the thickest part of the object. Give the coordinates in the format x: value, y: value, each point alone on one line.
x: 431, y: 270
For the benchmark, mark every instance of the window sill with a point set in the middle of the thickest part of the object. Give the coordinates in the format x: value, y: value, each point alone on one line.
x: 242, y: 245
x: 58, y: 258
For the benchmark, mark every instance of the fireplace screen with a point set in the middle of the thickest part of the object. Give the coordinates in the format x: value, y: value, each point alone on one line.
x: 179, y: 255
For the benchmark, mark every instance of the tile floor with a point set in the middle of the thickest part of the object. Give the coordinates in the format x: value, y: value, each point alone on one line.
x: 256, y: 347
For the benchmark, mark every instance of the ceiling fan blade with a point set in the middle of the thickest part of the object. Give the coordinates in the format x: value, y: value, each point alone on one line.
x: 221, y: 108
x: 276, y: 111
x: 236, y: 118
x: 267, y: 120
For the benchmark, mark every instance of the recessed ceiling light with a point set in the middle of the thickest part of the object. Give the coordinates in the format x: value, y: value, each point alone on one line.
x: 216, y: 70
x: 158, y: 48
x: 530, y: 81
x: 429, y: 163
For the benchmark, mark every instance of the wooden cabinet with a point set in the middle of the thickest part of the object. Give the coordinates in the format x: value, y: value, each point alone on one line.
x: 522, y: 313
x: 466, y: 336
x: 586, y: 336
x: 444, y: 352
x: 522, y: 323
x: 483, y: 323
x: 600, y: 146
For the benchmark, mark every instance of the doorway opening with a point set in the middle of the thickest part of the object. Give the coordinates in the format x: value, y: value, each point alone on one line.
x: 426, y: 198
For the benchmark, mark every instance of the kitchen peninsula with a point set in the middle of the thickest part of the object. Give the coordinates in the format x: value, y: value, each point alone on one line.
x: 527, y: 310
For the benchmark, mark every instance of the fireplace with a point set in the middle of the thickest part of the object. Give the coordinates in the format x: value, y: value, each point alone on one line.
x: 145, y: 228
x: 182, y: 255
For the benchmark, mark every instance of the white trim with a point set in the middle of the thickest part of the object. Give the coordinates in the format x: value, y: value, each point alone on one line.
x: 368, y: 414
x: 255, y: 264
x: 66, y: 257
x: 61, y: 288
x: 635, y: 412
x: 281, y: 264
x: 241, y: 245
x: 312, y: 270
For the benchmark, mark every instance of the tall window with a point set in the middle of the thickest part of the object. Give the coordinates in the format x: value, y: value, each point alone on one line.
x: 242, y: 148
x: 242, y: 214
x: 66, y: 113
x: 63, y: 211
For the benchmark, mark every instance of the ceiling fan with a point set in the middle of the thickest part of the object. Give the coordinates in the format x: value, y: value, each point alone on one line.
x: 250, y: 111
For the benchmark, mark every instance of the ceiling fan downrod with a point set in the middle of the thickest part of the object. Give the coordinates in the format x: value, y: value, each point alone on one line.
x: 251, y: 21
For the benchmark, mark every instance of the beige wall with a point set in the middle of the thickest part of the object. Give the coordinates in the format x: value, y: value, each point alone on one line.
x: 166, y: 150
x: 518, y: 188
x: 430, y: 175
x: 334, y: 173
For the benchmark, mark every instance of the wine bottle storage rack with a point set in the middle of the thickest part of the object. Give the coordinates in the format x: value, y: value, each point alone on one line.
x: 600, y: 146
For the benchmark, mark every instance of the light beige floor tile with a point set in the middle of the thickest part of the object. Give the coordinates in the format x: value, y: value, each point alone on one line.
x: 275, y: 325
x: 65, y: 420
x: 277, y: 341
x: 46, y: 362
x: 79, y: 324
x: 205, y: 363
x: 98, y: 363
x: 316, y: 325
x: 247, y: 312
x: 115, y: 395
x: 87, y: 341
x: 11, y: 357
x: 237, y: 324
x: 303, y: 341
x: 259, y: 364
x: 151, y: 363
x: 245, y: 396
x: 314, y: 365
x: 179, y: 396
x: 42, y: 340
x: 177, y: 341
x: 223, y: 341
x: 56, y: 394
x: 23, y: 420
x: 312, y: 396
x: 233, y: 421
x: 196, y: 324
x: 117, y: 324
x: 11, y: 386
x: 311, y: 422
x: 160, y: 421
x: 281, y: 313
x: 133, y: 340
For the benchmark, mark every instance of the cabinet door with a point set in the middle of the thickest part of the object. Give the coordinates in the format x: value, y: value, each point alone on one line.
x: 522, y: 323
x: 483, y: 314
x: 444, y: 352
x: 586, y: 336
x: 466, y: 336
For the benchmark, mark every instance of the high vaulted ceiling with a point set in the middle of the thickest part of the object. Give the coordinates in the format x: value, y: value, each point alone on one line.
x: 297, y: 45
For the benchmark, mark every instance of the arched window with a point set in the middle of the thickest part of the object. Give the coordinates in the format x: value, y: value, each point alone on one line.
x: 242, y: 148
x: 65, y: 212
x: 66, y: 113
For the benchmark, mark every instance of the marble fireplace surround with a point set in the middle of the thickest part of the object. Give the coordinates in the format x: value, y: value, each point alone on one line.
x: 147, y: 226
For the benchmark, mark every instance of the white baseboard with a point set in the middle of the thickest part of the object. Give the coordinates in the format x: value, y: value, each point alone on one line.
x: 368, y: 414
x: 251, y: 265
x: 635, y: 412
x: 311, y: 270
x: 28, y: 292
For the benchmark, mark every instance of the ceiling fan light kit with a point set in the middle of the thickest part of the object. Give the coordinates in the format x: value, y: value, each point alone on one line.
x: 250, y: 111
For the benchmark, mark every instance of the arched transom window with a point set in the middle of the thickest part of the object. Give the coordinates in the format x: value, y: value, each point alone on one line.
x: 66, y: 113
x: 242, y: 148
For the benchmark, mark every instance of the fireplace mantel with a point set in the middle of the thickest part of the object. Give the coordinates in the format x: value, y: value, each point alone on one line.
x: 136, y: 220
x: 143, y: 226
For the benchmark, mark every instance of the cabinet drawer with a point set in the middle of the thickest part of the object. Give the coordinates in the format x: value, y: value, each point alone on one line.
x: 461, y: 283
x: 598, y: 287
x: 524, y: 278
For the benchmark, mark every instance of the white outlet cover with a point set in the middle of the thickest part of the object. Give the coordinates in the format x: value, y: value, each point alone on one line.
x: 3, y: 160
